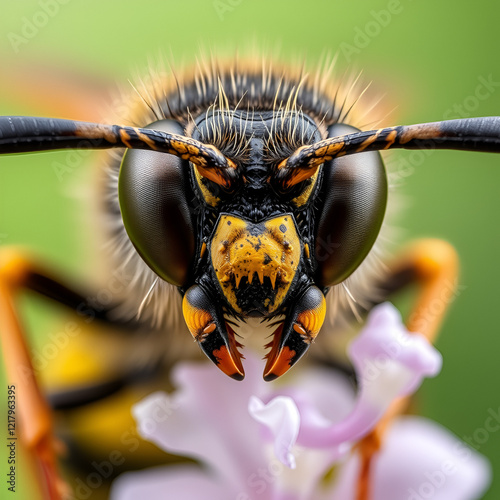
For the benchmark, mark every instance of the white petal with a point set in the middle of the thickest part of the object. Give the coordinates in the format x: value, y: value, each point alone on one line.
x: 429, y: 458
x: 419, y: 460
x: 207, y: 419
x: 169, y: 483
x: 390, y: 362
x: 321, y: 394
x: 282, y: 417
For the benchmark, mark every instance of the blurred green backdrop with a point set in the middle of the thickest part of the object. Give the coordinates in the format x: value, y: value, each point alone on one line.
x: 427, y: 57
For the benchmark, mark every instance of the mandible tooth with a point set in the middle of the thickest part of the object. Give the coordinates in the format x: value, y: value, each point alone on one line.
x: 238, y: 279
x: 260, y: 272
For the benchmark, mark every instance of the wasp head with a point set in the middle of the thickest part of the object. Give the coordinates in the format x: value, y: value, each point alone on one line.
x: 257, y: 238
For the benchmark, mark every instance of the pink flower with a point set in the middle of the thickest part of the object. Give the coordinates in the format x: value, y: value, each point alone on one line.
x: 256, y: 440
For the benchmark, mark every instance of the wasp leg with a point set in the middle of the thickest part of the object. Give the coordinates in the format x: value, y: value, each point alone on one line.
x: 433, y: 266
x: 18, y: 273
x: 34, y: 414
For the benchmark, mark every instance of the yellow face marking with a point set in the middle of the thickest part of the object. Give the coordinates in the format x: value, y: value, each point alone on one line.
x: 213, y: 175
x: 301, y: 174
x: 212, y: 200
x: 307, y: 251
x: 203, y: 250
x: 241, y: 249
x: 304, y: 197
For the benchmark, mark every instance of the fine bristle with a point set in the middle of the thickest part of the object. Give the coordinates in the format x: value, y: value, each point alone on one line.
x: 257, y: 83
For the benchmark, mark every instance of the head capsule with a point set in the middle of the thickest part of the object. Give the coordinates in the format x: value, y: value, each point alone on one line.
x: 264, y: 256
x: 261, y: 242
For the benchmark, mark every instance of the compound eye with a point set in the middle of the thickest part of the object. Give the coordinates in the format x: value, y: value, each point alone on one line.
x: 355, y: 196
x: 152, y: 191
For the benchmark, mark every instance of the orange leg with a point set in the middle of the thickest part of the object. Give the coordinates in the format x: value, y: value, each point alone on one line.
x: 433, y: 266
x: 33, y: 415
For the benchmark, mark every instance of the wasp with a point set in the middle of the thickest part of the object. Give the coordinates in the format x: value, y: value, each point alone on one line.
x: 239, y: 193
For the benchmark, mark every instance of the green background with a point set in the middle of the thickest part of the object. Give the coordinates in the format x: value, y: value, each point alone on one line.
x: 428, y: 58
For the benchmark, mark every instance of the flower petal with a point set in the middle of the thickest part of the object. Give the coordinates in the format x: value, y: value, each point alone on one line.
x: 321, y: 394
x: 203, y: 419
x: 180, y: 482
x: 429, y: 458
x: 385, y: 339
x: 282, y: 417
x: 419, y: 460
x: 390, y: 362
